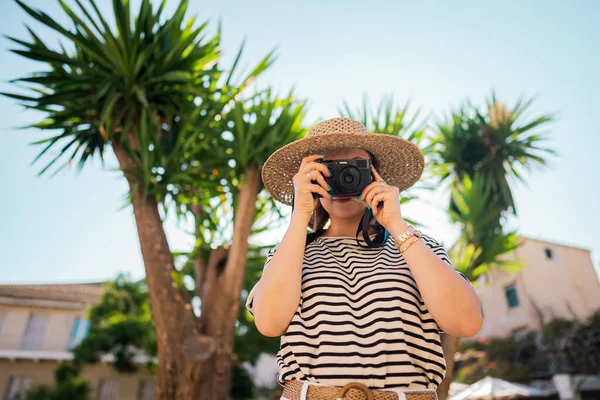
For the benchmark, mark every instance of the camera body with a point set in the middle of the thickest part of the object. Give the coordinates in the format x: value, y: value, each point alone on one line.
x: 348, y: 177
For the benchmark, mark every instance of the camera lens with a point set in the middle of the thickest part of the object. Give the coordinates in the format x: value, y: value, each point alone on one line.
x: 349, y: 178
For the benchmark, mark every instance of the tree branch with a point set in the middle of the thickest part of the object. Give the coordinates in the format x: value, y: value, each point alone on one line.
x: 199, y: 262
x: 217, y: 257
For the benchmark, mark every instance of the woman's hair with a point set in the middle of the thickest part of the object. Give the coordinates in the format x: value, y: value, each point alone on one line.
x: 319, y: 217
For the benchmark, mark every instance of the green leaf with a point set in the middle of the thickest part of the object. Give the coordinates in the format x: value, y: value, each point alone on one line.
x: 108, y: 107
x: 141, y: 96
x: 172, y: 77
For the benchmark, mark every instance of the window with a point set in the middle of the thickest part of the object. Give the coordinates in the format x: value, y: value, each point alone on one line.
x: 74, y: 330
x: 79, y: 331
x: 1, y: 321
x: 18, y: 385
x: 34, y: 332
x: 511, y: 296
x: 548, y: 253
x: 146, y: 390
x: 108, y: 389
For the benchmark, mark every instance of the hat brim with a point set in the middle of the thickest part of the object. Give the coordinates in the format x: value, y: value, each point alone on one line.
x: 399, y: 162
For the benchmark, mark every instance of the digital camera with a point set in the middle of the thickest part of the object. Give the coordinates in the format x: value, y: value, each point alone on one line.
x: 348, y: 177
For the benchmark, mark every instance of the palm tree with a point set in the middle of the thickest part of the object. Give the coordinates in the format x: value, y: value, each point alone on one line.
x: 252, y: 130
x: 478, y: 154
x: 497, y: 143
x: 392, y: 119
x: 387, y: 118
x: 141, y: 91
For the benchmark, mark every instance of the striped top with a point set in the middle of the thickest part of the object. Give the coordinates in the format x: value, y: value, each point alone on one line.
x: 360, y: 318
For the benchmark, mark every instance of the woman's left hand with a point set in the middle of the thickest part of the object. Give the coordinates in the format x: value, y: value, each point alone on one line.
x: 387, y: 214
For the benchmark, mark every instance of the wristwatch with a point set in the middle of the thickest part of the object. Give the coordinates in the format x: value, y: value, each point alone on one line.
x: 400, y: 239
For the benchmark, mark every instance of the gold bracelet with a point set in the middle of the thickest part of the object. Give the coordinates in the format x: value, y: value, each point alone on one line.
x: 403, y: 250
x: 399, y: 244
x: 401, y: 239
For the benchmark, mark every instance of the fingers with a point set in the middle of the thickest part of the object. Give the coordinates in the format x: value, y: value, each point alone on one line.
x: 315, y: 171
x: 374, y: 191
x: 310, y: 184
x: 369, y: 189
x: 378, y: 198
x: 375, y: 194
x: 311, y: 166
x: 378, y: 177
x: 310, y: 172
x: 313, y: 188
x: 316, y: 176
x: 375, y: 188
x: 309, y: 159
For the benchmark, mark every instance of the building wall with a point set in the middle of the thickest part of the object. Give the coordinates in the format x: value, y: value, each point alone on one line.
x: 13, y: 326
x: 56, y: 342
x: 565, y: 286
x: 41, y: 373
x: 58, y: 330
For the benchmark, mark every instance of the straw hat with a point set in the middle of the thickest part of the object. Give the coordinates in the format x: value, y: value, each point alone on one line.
x: 399, y: 162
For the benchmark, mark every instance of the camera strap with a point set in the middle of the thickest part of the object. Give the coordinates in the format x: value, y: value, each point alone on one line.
x: 382, y: 233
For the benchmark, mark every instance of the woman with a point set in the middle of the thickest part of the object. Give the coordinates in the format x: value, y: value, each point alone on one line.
x: 355, y: 320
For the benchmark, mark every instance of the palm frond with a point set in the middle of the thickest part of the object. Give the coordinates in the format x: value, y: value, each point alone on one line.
x: 387, y: 118
x: 495, y: 142
x: 103, y: 81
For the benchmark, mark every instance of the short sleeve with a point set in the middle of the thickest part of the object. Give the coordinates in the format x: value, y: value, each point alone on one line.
x: 250, y: 299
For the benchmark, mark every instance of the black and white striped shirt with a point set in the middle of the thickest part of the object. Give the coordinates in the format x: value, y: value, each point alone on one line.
x: 360, y: 318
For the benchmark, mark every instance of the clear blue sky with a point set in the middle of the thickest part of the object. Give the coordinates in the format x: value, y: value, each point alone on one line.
x: 72, y: 228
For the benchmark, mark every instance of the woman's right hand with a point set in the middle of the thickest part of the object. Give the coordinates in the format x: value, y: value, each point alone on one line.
x: 310, y: 170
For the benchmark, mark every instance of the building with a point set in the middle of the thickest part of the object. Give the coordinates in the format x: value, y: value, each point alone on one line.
x: 39, y: 324
x: 556, y: 281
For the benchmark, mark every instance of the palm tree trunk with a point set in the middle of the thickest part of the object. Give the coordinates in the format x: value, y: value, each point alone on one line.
x: 178, y: 376
x: 224, y: 306
x: 450, y: 347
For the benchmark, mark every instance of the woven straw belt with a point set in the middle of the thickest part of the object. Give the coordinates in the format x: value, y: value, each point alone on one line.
x: 352, y: 391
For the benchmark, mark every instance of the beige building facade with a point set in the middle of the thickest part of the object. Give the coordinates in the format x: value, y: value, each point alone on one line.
x: 555, y: 281
x: 39, y: 324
